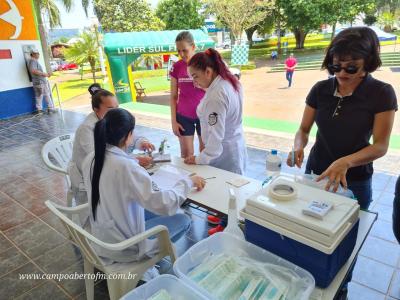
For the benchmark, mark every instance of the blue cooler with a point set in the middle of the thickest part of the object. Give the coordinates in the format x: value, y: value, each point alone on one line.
x: 278, y: 219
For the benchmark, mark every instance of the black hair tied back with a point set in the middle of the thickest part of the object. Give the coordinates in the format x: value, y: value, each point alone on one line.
x: 94, y: 88
x: 97, y: 94
x: 113, y: 130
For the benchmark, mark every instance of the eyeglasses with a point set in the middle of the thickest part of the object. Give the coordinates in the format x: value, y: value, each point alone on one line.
x: 337, y: 68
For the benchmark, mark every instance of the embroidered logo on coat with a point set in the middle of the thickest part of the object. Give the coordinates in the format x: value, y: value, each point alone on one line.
x: 212, y: 119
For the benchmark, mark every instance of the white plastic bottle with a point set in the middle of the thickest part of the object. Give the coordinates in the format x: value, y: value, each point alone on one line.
x: 233, y: 227
x: 273, y: 163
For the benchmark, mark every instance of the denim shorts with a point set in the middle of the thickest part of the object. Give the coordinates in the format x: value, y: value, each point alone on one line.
x: 190, y: 125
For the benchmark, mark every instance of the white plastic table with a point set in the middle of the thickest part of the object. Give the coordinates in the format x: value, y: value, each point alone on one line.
x: 215, y: 197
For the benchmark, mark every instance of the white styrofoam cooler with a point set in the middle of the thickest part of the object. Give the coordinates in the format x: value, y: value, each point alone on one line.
x: 282, y: 228
x: 287, y: 218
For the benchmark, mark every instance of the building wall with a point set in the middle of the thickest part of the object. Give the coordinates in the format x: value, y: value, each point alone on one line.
x: 18, y: 34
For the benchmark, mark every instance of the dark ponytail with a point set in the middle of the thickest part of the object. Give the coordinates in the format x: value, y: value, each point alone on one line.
x: 97, y: 94
x: 212, y: 59
x: 113, y: 129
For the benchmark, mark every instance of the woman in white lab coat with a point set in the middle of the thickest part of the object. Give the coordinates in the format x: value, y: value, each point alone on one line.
x: 120, y: 190
x: 220, y: 114
x: 102, y: 101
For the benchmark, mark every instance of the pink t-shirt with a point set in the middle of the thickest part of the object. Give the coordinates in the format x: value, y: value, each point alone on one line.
x: 189, y: 96
x: 290, y: 63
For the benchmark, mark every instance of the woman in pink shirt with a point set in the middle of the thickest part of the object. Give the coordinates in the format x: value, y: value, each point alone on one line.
x: 185, y: 97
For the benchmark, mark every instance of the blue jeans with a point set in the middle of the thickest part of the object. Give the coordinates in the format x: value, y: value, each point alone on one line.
x: 177, y: 224
x: 289, y: 77
x: 362, y: 191
x: 396, y: 211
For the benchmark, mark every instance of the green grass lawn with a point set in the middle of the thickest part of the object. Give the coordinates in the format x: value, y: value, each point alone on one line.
x: 155, y: 84
x: 72, y: 88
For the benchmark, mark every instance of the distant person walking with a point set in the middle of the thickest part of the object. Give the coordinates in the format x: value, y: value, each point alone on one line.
x: 290, y: 64
x: 40, y: 83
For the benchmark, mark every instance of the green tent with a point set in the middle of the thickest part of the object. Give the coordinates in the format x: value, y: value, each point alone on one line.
x: 125, y: 47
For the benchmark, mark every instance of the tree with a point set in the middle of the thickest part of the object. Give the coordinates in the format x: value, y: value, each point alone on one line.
x: 180, y: 14
x: 390, y: 5
x: 84, y: 51
x: 370, y: 20
x: 239, y: 15
x: 127, y: 15
x: 304, y: 16
x: 387, y: 20
x: 280, y: 20
x: 264, y: 27
x: 61, y: 40
x: 344, y: 11
x: 50, y: 9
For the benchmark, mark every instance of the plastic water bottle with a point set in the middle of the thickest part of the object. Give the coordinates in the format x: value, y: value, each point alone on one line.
x: 233, y: 227
x: 273, y: 163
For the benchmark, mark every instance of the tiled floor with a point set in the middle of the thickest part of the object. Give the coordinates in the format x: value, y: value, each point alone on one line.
x: 33, y: 241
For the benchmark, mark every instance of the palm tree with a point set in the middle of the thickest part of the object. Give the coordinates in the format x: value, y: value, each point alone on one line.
x: 84, y: 50
x: 49, y: 8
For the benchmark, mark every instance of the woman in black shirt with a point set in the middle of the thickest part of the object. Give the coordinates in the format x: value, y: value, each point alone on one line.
x: 348, y: 109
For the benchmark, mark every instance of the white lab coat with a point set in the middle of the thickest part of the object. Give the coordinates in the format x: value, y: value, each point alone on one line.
x: 83, y: 145
x: 220, y: 114
x: 126, y: 189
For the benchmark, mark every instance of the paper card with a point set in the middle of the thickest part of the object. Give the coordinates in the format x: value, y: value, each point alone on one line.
x: 238, y: 182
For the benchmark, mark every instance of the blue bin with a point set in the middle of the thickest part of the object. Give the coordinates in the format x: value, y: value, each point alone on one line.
x: 322, y: 266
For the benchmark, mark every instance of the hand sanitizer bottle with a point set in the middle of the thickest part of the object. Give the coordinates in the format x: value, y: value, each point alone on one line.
x: 233, y: 227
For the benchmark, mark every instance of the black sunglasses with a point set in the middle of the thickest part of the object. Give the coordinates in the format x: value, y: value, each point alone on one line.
x: 337, y: 68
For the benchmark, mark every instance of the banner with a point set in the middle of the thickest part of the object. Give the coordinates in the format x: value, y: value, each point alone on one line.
x: 17, y: 20
x: 120, y: 78
x: 240, y: 55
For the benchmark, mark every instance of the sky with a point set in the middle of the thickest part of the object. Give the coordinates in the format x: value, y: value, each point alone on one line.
x: 76, y: 18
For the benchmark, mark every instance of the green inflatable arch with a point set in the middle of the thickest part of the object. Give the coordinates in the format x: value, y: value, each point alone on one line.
x: 123, y: 48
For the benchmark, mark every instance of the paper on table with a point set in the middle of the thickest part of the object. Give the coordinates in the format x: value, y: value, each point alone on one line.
x: 177, y: 170
x: 238, y: 182
x: 166, y: 177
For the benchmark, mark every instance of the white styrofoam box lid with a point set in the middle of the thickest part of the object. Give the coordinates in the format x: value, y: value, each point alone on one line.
x: 344, y: 209
x: 176, y: 288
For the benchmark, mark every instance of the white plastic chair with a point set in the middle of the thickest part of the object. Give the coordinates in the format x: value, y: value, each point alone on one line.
x: 74, y: 217
x: 60, y: 149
